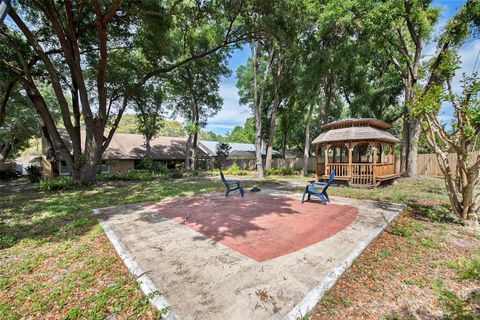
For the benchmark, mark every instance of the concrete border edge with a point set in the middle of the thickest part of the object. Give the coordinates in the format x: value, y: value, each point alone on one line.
x: 314, y: 296
x: 146, y: 284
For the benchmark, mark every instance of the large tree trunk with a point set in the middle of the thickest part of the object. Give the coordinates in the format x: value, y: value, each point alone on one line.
x: 306, y: 150
x: 414, y: 135
x: 5, y: 151
x: 148, y: 147
x: 405, y: 145
x: 93, y: 154
x: 258, y: 104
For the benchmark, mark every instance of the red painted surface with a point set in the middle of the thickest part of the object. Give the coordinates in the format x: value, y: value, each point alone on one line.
x: 261, y: 227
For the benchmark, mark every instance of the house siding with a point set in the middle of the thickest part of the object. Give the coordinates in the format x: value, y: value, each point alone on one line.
x: 117, y: 166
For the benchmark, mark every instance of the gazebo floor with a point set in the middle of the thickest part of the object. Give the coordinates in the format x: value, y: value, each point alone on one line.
x: 378, y: 180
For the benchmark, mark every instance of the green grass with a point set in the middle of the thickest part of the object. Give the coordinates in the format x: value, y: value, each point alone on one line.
x: 55, y: 260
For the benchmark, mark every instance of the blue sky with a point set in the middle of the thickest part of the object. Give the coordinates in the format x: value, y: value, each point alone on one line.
x: 233, y: 113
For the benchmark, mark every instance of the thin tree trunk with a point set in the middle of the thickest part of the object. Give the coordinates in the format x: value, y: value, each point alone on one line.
x: 273, y: 118
x: 194, y: 150
x: 188, y: 147
x: 306, y: 150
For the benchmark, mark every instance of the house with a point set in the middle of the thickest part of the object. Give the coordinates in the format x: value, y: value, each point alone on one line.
x: 125, y: 152
x: 239, y: 151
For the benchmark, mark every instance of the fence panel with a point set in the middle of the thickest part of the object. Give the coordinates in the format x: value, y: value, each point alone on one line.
x: 427, y: 164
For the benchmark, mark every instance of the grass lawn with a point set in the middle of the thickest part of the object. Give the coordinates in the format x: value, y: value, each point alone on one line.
x: 55, y: 261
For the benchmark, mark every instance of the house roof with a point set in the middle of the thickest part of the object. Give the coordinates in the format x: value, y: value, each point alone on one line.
x: 238, y: 149
x: 130, y: 146
x: 355, y: 134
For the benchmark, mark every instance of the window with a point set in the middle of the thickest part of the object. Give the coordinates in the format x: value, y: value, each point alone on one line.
x: 103, y: 168
x: 64, y: 169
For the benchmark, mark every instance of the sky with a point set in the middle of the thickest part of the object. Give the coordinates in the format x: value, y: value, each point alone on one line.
x: 233, y: 114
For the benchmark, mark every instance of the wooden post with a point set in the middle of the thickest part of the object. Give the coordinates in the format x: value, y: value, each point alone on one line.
x: 374, y: 165
x: 325, y: 152
x: 316, y: 162
x: 382, y: 156
x: 350, y: 160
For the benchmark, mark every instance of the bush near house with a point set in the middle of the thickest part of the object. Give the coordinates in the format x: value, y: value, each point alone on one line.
x: 57, y: 184
x: 281, y: 171
x: 34, y: 173
x: 129, y: 175
x: 235, y: 170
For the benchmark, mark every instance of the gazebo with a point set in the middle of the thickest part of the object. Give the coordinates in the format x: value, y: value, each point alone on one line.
x: 359, y: 150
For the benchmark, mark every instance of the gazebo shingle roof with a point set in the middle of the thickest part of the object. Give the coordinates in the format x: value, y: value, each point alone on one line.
x: 355, y: 134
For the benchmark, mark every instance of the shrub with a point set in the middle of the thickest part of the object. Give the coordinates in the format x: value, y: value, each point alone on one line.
x: 146, y: 164
x: 235, y: 170
x: 195, y: 173
x: 160, y: 169
x: 57, y: 183
x: 286, y: 171
x: 34, y: 173
x: 175, y: 174
x: 131, y: 175
x: 282, y: 171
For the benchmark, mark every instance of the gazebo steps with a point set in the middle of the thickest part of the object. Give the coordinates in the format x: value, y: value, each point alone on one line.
x: 361, y: 186
x: 388, y: 177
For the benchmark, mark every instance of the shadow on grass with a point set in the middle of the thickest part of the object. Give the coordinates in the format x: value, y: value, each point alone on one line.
x: 58, y: 216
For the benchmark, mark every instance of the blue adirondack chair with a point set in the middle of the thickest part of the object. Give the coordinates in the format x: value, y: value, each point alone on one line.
x: 229, y: 183
x: 310, y: 189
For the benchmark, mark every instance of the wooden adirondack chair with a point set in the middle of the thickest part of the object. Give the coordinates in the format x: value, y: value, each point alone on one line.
x: 310, y: 189
x: 229, y: 183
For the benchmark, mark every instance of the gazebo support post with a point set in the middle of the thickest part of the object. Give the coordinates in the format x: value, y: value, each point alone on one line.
x: 325, y: 152
x: 374, y: 163
x: 316, y: 162
x: 350, y: 160
x: 382, y: 156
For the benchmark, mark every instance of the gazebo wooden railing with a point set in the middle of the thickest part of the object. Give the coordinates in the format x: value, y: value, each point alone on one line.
x: 359, y: 150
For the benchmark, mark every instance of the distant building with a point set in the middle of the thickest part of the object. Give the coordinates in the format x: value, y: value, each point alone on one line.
x: 238, y: 151
x: 126, y: 151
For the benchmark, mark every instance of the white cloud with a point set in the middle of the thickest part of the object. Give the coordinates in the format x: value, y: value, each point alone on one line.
x: 232, y: 113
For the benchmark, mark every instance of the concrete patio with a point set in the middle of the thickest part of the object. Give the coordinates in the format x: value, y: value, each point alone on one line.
x: 241, y: 264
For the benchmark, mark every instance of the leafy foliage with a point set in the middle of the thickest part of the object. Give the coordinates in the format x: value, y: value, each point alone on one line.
x: 34, y: 173
x: 222, y: 152
x: 281, y: 171
x: 235, y: 170
x: 57, y: 184
x: 129, y: 175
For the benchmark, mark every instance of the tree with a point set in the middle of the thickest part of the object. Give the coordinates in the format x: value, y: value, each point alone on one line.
x: 222, y: 152
x: 401, y: 29
x: 462, y: 179
x: 463, y: 134
x: 194, y: 94
x: 242, y: 134
x: 148, y: 106
x: 97, y: 56
x: 18, y: 126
